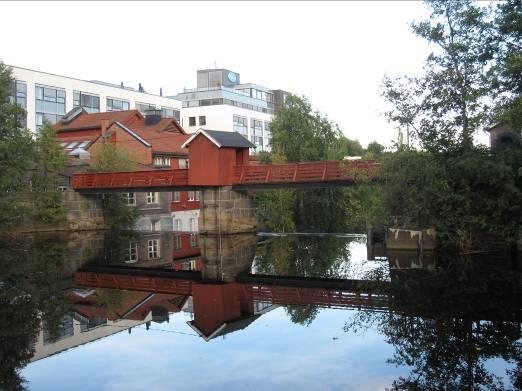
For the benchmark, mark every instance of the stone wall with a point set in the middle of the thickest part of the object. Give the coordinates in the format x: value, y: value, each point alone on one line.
x: 226, y: 211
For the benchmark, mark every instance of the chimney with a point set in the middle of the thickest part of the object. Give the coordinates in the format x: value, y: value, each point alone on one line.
x: 152, y: 117
x: 104, y: 125
x: 161, y: 91
x: 140, y: 87
x: 121, y: 85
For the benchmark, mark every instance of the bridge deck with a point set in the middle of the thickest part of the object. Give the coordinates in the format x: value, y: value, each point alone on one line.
x: 313, y: 174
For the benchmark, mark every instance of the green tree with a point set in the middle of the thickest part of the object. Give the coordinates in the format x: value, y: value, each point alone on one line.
x: 446, y: 106
x: 48, y: 161
x: 108, y: 158
x: 16, y: 147
x: 374, y: 150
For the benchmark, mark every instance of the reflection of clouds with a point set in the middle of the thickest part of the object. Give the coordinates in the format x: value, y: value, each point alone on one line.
x: 279, y: 356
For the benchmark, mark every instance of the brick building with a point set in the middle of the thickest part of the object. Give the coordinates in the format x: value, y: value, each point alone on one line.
x: 151, y: 141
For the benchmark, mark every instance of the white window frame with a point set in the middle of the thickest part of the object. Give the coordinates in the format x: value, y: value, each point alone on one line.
x: 193, y: 240
x: 191, y: 196
x: 177, y: 242
x: 132, y: 255
x: 152, y: 198
x: 155, y: 225
x: 176, y: 196
x: 153, y: 247
x: 130, y: 198
x: 178, y: 225
x: 197, y: 195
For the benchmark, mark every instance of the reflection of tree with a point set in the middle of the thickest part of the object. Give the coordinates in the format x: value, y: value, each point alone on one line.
x: 434, y: 325
x: 31, y: 280
x: 305, y: 256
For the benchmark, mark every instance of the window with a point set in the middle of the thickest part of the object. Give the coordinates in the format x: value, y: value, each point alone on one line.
x: 91, y: 103
x: 168, y: 112
x: 132, y: 255
x: 183, y: 163
x: 177, y: 242
x: 155, y: 225
x: 162, y: 161
x: 192, y: 225
x: 50, y: 105
x: 193, y: 240
x: 197, y: 195
x: 152, y: 198
x: 178, y: 225
x: 241, y: 125
x: 143, y: 107
x: 202, y: 120
x: 192, y: 121
x: 176, y: 196
x: 257, y: 131
x: 268, y: 132
x: 191, y: 196
x: 117, y: 104
x: 19, y: 96
x: 129, y: 198
x: 153, y: 248
x: 190, y: 265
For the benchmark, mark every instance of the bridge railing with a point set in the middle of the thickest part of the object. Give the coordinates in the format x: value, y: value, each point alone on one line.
x: 136, y: 179
x: 326, y: 171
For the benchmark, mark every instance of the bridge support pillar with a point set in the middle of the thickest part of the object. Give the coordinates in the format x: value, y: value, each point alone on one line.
x: 225, y: 211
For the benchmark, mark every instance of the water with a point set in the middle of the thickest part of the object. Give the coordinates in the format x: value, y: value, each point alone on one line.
x: 91, y: 311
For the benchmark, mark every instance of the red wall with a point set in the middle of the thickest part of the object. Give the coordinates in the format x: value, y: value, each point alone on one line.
x: 184, y: 203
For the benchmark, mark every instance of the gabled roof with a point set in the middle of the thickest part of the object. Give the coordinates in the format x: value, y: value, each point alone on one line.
x: 222, y: 139
x: 93, y: 120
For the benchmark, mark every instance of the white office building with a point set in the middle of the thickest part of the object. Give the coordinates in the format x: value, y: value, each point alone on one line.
x: 221, y: 102
x: 47, y: 96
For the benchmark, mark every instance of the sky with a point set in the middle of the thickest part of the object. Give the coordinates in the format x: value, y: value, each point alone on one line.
x: 334, y: 53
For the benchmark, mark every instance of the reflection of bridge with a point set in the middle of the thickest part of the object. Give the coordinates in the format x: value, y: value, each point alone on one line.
x: 332, y: 293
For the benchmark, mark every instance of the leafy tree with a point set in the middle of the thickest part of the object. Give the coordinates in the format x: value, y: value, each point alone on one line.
x: 109, y: 158
x: 48, y: 160
x: 16, y: 147
x: 445, y: 106
x: 374, y: 150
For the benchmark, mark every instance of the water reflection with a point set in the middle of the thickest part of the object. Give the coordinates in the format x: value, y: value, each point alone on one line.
x: 446, y: 318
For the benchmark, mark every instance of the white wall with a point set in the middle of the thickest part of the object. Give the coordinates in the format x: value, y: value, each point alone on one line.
x: 32, y: 77
x: 221, y: 117
x: 185, y: 217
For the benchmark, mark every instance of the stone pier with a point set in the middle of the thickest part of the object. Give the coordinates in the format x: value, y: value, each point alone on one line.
x: 226, y: 211
x: 224, y: 257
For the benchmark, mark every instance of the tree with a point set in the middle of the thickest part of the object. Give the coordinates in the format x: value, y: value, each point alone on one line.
x: 109, y: 158
x: 446, y: 106
x: 48, y: 160
x: 16, y: 146
x: 374, y: 150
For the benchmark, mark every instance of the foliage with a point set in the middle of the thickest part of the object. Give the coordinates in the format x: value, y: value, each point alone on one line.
x: 374, y: 150
x: 117, y: 214
x: 466, y: 198
x: 109, y: 158
x: 16, y: 147
x: 446, y: 105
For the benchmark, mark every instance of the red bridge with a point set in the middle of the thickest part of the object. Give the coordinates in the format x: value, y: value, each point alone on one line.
x: 222, y: 159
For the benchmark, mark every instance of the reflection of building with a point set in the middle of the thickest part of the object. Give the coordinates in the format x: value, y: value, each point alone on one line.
x: 99, y: 313
x: 47, y: 96
x: 221, y: 102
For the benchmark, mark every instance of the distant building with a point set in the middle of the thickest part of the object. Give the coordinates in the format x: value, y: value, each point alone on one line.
x: 502, y: 135
x: 221, y: 102
x: 47, y: 96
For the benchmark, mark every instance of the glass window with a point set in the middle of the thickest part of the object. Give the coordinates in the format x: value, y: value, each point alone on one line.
x: 117, y: 104
x: 183, y: 163
x: 177, y: 225
x: 177, y: 241
x: 192, y: 225
x: 202, y: 120
x: 153, y: 248
x: 50, y: 105
x: 155, y: 225
x: 91, y: 103
x: 241, y: 125
x: 193, y: 240
x: 192, y: 121
x: 143, y: 107
x: 152, y: 198
x: 132, y: 255
x: 191, y: 196
x: 176, y: 196
x: 129, y: 198
x: 168, y: 112
x: 19, y: 96
x: 197, y: 195
x: 162, y: 161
